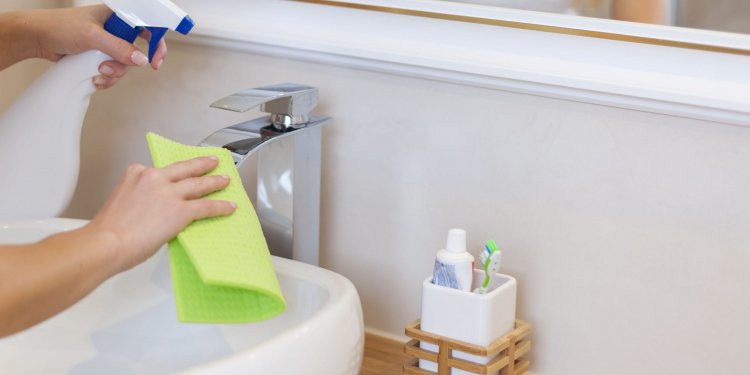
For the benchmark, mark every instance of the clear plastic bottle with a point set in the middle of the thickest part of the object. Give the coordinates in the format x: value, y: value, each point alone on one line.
x: 454, y: 266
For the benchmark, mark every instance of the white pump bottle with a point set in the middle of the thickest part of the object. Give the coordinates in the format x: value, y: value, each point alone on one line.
x: 40, y: 133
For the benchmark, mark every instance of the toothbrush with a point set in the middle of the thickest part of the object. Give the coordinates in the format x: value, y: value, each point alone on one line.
x: 490, y: 258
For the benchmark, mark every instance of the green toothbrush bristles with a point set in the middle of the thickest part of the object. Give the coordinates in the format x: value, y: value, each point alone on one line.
x: 491, y: 246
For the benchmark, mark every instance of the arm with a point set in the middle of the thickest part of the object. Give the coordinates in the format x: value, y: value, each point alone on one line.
x: 54, y: 33
x: 647, y: 11
x: 15, y: 44
x: 148, y: 207
x: 42, y: 279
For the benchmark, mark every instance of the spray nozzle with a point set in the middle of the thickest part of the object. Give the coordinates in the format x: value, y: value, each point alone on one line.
x: 157, y: 16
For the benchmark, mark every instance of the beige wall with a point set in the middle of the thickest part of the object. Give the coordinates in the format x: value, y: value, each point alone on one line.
x: 722, y: 15
x: 9, y: 5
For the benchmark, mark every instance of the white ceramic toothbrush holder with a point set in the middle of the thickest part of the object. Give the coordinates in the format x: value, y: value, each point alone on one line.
x: 474, y: 318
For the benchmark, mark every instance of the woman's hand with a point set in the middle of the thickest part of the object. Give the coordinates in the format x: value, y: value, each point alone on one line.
x: 54, y: 33
x: 69, y: 31
x: 150, y: 206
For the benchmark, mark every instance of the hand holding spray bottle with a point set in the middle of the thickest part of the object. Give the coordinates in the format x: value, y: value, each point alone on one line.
x: 47, y: 118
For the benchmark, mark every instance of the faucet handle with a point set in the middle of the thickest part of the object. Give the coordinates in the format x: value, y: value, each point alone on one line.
x: 289, y: 104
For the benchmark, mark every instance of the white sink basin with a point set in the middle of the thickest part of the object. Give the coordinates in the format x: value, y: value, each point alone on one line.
x: 128, y: 326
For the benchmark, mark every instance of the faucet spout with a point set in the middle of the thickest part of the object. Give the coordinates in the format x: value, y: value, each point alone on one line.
x: 287, y: 150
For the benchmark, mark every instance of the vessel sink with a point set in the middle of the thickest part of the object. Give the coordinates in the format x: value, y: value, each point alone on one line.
x: 128, y: 325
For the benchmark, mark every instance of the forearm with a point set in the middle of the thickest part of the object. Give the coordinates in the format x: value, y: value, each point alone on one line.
x: 648, y: 11
x: 17, y: 40
x: 40, y: 280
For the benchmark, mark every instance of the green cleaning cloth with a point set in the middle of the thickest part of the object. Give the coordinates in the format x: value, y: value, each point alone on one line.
x: 221, y: 267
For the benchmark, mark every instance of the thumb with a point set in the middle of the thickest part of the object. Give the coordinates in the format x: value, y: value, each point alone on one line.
x: 120, y: 50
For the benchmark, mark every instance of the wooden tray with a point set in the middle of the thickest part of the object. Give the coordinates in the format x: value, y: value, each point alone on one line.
x: 510, y: 350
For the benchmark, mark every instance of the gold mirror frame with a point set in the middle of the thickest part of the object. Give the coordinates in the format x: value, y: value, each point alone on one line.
x: 530, y: 26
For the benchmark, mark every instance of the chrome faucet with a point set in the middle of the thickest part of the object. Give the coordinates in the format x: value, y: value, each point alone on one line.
x: 287, y: 144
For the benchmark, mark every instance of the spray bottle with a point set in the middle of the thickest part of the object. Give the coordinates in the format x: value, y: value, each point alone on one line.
x: 40, y: 133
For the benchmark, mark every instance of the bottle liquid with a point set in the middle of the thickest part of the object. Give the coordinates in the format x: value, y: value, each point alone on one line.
x: 40, y: 133
x: 454, y: 266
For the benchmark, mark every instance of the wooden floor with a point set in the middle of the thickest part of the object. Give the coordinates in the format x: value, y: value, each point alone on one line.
x: 383, y: 356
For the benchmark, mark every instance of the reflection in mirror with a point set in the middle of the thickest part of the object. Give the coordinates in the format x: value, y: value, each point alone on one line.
x: 719, y: 15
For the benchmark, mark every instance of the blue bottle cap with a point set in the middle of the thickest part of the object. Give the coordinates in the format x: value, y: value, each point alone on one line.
x: 119, y: 28
x: 185, y: 25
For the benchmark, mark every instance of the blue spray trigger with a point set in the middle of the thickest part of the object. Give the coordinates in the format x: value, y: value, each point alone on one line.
x: 157, y: 34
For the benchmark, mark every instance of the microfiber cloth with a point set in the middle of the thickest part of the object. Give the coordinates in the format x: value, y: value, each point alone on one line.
x: 221, y: 267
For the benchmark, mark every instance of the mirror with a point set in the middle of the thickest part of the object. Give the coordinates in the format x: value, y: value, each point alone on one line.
x: 717, y: 15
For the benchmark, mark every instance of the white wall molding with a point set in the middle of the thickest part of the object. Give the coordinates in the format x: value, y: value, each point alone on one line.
x: 564, y: 21
x: 682, y: 82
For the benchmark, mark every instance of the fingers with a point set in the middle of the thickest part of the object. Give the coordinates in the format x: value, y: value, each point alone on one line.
x: 120, y: 50
x: 188, y: 185
x: 196, y: 187
x: 148, y: 207
x: 203, y: 208
x: 101, y: 82
x: 159, y: 55
x: 111, y: 72
x: 191, y: 185
x: 113, y: 69
x: 161, y: 50
x: 124, y: 54
x: 190, y: 168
